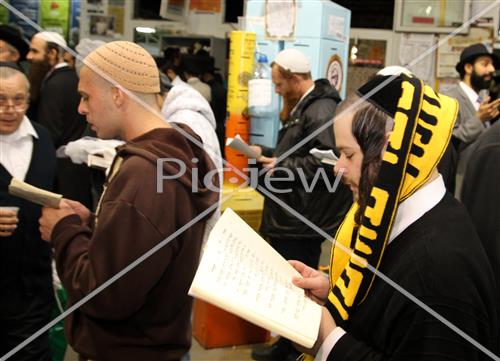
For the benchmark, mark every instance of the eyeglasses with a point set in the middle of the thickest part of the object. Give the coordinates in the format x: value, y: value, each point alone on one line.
x: 19, y: 103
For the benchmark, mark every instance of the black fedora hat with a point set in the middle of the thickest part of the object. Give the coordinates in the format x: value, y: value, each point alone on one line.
x: 470, y: 53
x: 14, y: 37
x: 8, y: 64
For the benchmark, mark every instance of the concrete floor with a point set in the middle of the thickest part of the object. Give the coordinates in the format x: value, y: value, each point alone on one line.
x: 198, y: 353
x: 235, y: 353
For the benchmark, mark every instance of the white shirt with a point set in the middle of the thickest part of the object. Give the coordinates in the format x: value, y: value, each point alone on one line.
x: 471, y: 94
x: 409, y: 211
x: 16, y: 149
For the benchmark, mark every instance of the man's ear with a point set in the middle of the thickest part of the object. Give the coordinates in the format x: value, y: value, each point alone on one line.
x: 295, y: 79
x: 171, y: 74
x: 118, y: 96
x: 16, y: 56
x: 469, y: 68
x: 53, y: 56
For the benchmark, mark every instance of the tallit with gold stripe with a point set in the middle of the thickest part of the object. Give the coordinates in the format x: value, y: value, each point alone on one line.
x: 423, y: 124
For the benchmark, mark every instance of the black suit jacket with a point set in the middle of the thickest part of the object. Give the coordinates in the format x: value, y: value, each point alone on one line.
x: 58, y: 112
x: 24, y: 257
x: 58, y: 106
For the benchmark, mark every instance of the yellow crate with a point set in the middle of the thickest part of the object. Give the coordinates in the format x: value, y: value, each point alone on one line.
x: 245, y: 201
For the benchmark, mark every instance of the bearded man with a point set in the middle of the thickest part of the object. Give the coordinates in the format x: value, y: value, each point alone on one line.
x: 58, y: 110
x: 476, y: 68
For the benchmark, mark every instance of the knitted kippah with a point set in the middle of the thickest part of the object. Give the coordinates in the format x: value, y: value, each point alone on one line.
x: 128, y: 64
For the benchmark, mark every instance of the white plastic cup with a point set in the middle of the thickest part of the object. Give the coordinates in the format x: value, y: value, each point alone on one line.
x: 14, y: 209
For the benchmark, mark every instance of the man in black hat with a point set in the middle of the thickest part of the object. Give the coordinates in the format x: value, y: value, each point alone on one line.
x: 476, y: 68
x: 192, y: 71
x: 13, y: 46
x: 219, y: 97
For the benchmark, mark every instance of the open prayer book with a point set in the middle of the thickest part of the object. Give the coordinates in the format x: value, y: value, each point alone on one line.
x: 241, y: 146
x: 241, y: 273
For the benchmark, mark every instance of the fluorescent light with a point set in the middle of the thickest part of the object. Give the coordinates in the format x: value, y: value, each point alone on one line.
x: 145, y: 30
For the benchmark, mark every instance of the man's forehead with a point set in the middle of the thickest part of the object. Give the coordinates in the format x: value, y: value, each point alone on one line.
x: 37, y: 41
x: 486, y: 58
x: 13, y: 83
x: 89, y: 78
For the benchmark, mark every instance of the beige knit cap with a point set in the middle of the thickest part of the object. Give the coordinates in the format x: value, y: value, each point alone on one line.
x: 128, y: 64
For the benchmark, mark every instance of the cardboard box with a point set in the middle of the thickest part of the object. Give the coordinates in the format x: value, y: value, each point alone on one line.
x: 213, y: 327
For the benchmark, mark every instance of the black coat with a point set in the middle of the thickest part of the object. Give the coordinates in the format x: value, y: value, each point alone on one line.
x: 58, y: 112
x: 439, y: 260
x: 481, y: 193
x: 324, y: 208
x: 218, y: 105
x: 58, y: 106
x: 24, y: 257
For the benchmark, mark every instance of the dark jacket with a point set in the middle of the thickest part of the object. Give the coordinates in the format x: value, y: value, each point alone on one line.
x: 58, y: 112
x: 58, y: 107
x: 219, y: 104
x: 325, y: 208
x: 439, y: 260
x: 481, y: 194
x: 24, y: 257
x: 144, y: 315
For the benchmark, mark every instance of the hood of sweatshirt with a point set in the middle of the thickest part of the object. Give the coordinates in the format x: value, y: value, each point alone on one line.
x: 176, y: 154
x: 183, y: 97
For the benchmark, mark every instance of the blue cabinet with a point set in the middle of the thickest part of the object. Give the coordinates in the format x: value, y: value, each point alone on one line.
x: 322, y: 19
x: 321, y: 32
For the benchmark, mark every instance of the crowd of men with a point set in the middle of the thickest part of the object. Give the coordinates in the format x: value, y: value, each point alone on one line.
x: 395, y: 211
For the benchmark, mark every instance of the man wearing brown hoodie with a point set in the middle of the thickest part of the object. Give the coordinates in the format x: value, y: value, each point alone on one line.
x: 144, y: 315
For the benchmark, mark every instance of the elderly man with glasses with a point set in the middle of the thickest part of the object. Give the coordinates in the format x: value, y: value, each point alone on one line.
x: 27, y: 153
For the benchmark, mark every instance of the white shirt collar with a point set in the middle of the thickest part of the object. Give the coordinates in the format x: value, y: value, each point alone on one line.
x: 415, y: 206
x: 302, y: 98
x: 61, y: 65
x: 57, y: 66
x: 471, y: 94
x: 25, y: 130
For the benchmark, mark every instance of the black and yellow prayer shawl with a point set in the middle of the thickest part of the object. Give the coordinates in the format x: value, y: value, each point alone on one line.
x: 423, y: 124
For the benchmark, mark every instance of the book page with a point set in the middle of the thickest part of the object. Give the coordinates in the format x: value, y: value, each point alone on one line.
x: 241, y: 273
x: 99, y: 162
x: 239, y: 144
x: 33, y: 194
